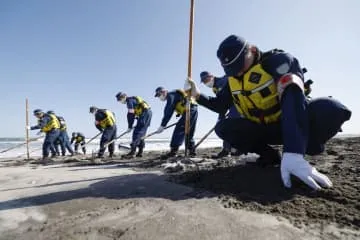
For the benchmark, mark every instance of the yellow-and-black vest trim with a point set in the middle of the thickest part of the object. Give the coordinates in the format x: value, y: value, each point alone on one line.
x: 52, y: 124
x: 108, y: 121
x: 255, y: 96
x: 180, y: 106
x: 140, y: 107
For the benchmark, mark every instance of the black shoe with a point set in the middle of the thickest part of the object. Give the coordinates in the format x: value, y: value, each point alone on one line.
x: 192, y: 153
x: 236, y: 153
x: 270, y: 158
x: 131, y: 154
x: 140, y: 152
x: 46, y: 161
x: 168, y: 155
x: 223, y: 153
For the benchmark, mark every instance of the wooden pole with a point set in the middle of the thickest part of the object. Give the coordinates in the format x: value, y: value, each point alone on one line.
x: 27, y: 130
x: 189, y: 73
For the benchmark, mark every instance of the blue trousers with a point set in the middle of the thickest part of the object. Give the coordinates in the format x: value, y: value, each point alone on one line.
x: 142, y: 124
x: 226, y: 146
x: 108, y: 134
x: 65, y: 142
x: 57, y: 147
x: 304, y: 128
x: 178, y: 135
x: 233, y: 113
x: 49, y: 142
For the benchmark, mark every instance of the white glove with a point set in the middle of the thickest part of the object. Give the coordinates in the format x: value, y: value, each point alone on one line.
x: 160, y: 129
x: 191, y: 85
x: 128, y: 130
x: 294, y: 163
x: 28, y: 127
x: 39, y: 133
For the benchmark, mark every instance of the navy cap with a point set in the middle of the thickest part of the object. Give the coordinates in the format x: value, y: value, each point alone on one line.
x: 38, y: 111
x: 204, y: 75
x: 231, y: 54
x: 158, y: 91
x: 93, y: 109
x: 120, y: 95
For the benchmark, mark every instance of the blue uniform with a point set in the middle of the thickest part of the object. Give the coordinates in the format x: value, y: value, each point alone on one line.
x: 108, y: 133
x: 64, y: 137
x: 79, y: 140
x: 57, y: 144
x: 304, y: 127
x: 173, y: 98
x: 142, y: 124
x: 50, y: 137
x: 219, y: 83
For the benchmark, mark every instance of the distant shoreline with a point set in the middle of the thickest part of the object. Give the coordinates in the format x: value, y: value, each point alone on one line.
x: 17, y: 139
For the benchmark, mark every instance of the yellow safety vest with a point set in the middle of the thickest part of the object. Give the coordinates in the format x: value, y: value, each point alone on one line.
x: 255, y: 96
x: 52, y: 124
x: 108, y: 121
x: 140, y: 107
x: 180, y: 106
x: 79, y: 139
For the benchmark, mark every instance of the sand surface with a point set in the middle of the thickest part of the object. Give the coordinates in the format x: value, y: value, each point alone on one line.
x: 74, y: 198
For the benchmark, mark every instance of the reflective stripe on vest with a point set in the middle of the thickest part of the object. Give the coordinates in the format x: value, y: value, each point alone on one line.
x: 108, y: 121
x: 140, y: 106
x: 255, y: 96
x: 52, y: 124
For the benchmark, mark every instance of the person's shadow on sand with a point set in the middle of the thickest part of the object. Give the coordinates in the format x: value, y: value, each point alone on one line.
x: 122, y: 187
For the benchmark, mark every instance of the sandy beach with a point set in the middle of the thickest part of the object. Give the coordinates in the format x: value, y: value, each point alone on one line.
x: 76, y: 198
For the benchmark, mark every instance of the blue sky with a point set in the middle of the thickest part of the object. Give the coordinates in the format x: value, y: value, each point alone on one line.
x: 67, y: 55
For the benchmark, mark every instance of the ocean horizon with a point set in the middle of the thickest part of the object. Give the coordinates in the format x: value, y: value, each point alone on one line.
x: 35, y: 147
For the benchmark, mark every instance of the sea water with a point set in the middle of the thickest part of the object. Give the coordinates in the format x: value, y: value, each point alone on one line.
x: 35, y: 146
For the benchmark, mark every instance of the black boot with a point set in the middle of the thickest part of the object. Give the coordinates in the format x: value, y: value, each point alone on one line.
x: 130, y: 154
x: 192, y: 152
x: 223, y: 153
x: 140, y: 152
x: 236, y: 153
x: 269, y: 157
x: 172, y: 153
